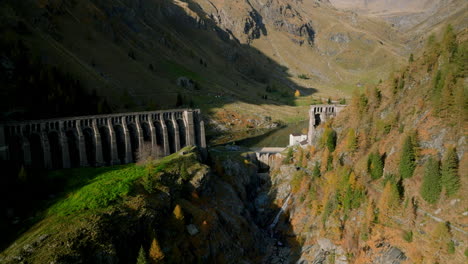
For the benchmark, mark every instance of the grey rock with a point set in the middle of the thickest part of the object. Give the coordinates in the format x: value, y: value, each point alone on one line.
x: 192, y: 229
x: 340, y: 38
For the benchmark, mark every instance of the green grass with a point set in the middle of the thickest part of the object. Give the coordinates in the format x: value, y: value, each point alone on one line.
x: 96, y: 187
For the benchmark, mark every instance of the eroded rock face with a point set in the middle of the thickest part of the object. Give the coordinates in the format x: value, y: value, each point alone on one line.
x: 284, y: 17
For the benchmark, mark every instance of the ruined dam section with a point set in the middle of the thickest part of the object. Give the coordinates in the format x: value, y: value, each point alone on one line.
x: 319, y: 114
x: 100, y: 140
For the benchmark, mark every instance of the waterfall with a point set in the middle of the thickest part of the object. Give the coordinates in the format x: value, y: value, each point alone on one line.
x: 283, y: 208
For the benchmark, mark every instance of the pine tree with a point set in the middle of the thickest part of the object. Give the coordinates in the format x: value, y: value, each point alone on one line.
x: 351, y: 140
x: 316, y: 172
x: 389, y: 201
x: 375, y: 166
x: 439, y: 82
x: 431, y: 186
x: 329, y: 138
x: 155, y: 254
x: 408, y: 158
x: 411, y: 58
x: 460, y: 103
x: 449, y: 173
x: 449, y: 42
x: 141, y: 257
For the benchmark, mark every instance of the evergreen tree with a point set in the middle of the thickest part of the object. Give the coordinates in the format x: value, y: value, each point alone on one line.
x: 330, y: 139
x: 316, y: 172
x: 351, y: 140
x: 449, y: 42
x: 411, y: 59
x: 438, y: 84
x: 375, y: 166
x: 431, y: 186
x: 141, y: 257
x: 408, y: 158
x: 449, y: 173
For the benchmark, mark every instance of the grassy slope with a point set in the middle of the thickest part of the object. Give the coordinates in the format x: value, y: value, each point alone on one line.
x: 88, y: 193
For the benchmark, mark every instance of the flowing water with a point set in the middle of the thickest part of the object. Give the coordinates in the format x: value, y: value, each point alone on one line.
x: 283, y: 208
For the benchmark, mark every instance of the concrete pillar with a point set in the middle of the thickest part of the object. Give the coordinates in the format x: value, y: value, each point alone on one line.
x: 202, y: 135
x: 45, y: 147
x: 176, y: 132
x: 311, y: 126
x: 114, y: 155
x: 167, y: 150
x: 154, y: 142
x: 128, y: 143
x: 141, y: 139
x: 189, y: 128
x: 81, y: 145
x: 3, y: 146
x: 26, y: 151
x: 64, y: 146
x: 97, y: 144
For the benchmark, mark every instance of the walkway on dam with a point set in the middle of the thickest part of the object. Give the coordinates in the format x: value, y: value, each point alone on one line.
x: 269, y: 150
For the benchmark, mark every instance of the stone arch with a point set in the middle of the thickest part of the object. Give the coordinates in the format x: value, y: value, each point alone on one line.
x: 133, y: 134
x: 55, y: 149
x: 197, y: 131
x: 37, y: 153
x: 182, y: 133
x: 120, y: 141
x: 90, y: 146
x: 106, y: 144
x: 159, y: 137
x: 73, y: 149
x: 171, y: 135
x: 146, y: 132
x: 317, y: 120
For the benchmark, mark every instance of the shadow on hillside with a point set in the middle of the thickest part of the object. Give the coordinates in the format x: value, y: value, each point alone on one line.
x: 164, y: 31
x: 24, y: 202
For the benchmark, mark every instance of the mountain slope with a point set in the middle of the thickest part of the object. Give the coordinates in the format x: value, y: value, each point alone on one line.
x: 393, y: 188
x: 243, y: 56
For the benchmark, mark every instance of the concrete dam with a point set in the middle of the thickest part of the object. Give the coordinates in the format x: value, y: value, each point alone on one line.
x: 100, y: 140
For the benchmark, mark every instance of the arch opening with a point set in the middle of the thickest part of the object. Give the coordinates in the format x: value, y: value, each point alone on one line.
x: 55, y: 149
x: 106, y: 144
x: 90, y: 146
x: 171, y: 135
x: 182, y: 133
x: 72, y: 141
x: 37, y: 153
x: 120, y: 141
x: 133, y: 141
